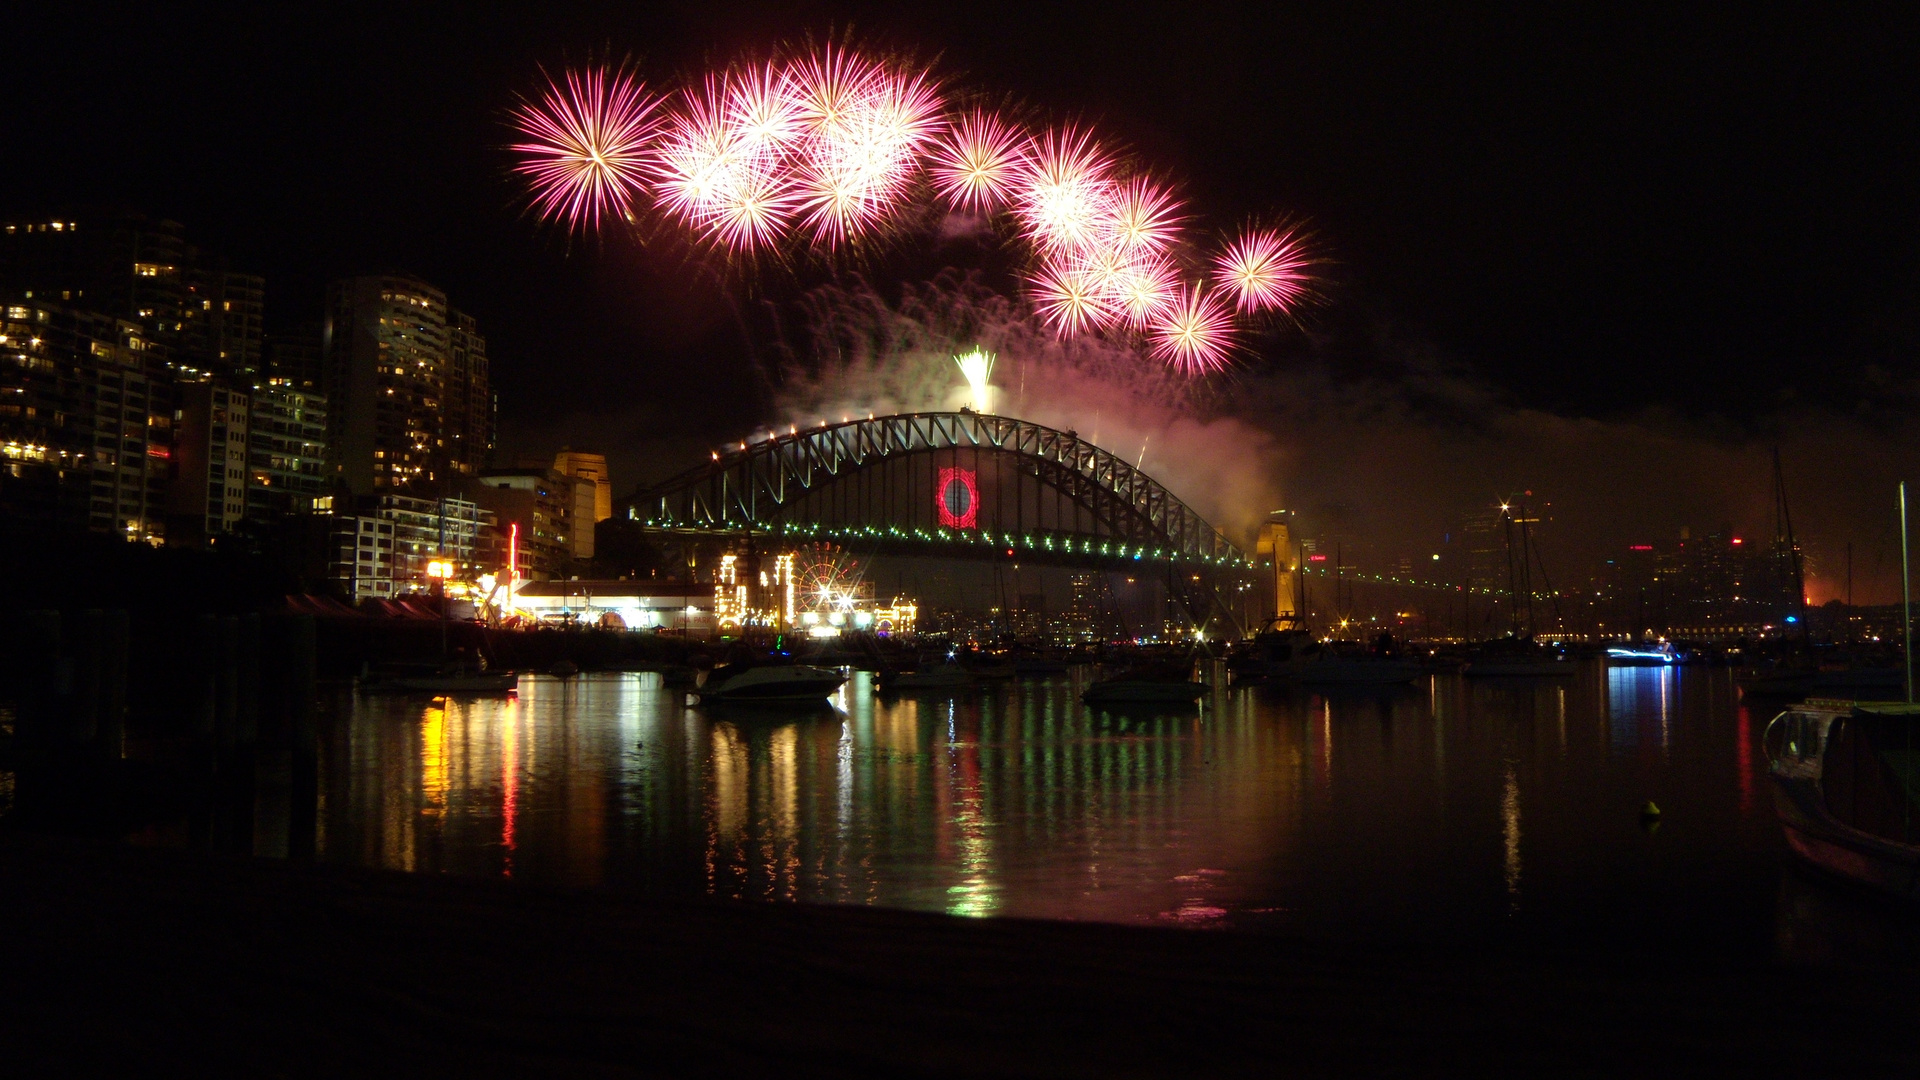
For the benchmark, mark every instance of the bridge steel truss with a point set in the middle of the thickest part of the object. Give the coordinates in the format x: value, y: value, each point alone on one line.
x: 875, y: 484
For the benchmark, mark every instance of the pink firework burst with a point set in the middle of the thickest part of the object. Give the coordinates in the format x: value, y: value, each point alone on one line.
x: 1063, y: 194
x: 1195, y: 335
x: 975, y: 166
x: 1145, y: 290
x: 866, y: 128
x: 1267, y: 270
x: 760, y: 110
x: 1143, y: 217
x: 587, y: 153
x: 1070, y: 301
x: 721, y: 176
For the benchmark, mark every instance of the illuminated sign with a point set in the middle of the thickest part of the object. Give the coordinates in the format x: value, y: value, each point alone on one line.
x: 1639, y: 547
x: 958, y: 499
x: 1316, y: 558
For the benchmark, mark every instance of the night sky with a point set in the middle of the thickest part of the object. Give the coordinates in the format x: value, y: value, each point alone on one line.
x: 1704, y: 213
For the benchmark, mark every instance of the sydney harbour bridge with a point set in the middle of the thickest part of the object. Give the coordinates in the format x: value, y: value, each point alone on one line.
x: 959, y: 485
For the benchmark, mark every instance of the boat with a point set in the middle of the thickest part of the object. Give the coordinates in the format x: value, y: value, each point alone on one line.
x: 1287, y: 652
x: 429, y: 679
x: 1133, y: 688
x: 1644, y: 654
x: 1330, y: 669
x: 768, y: 683
x: 926, y: 677
x: 1038, y: 664
x: 1518, y: 657
x: 1846, y: 786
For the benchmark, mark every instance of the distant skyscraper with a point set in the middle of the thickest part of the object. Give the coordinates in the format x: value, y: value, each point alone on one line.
x: 385, y: 344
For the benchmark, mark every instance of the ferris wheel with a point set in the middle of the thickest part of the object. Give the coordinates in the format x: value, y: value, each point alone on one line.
x: 825, y: 577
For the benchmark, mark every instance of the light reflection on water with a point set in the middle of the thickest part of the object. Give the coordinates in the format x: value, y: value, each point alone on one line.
x: 1378, y: 813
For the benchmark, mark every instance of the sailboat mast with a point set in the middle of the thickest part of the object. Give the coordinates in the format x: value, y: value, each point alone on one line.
x: 1513, y: 583
x: 1906, y: 595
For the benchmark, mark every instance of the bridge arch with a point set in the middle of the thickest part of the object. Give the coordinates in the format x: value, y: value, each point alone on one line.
x: 956, y: 482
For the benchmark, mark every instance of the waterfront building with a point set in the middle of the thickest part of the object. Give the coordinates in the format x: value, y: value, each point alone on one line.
x: 360, y: 557
x: 643, y: 604
x: 384, y: 546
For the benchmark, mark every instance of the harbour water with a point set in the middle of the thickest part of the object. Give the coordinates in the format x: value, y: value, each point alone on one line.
x: 1450, y: 811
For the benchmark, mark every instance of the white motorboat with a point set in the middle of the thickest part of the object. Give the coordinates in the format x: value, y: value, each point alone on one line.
x: 769, y: 683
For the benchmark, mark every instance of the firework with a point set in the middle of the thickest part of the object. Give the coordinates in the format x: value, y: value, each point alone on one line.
x: 1196, y: 335
x: 1071, y: 300
x: 1266, y: 270
x: 722, y: 175
x: 826, y: 147
x: 588, y: 148
x: 976, y: 365
x: 1145, y: 290
x: 1142, y: 217
x: 865, y: 130
x: 1062, y: 194
x: 975, y: 166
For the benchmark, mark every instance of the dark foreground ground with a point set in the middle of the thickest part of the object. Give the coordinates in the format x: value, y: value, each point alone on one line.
x: 148, y: 962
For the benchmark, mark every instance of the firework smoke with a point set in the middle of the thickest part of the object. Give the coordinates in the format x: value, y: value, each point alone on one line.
x: 829, y: 147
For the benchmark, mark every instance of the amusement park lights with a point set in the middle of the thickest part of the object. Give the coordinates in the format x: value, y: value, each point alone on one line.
x: 976, y: 364
x: 826, y: 148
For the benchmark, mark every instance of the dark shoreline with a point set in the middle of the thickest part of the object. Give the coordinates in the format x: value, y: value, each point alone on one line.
x: 148, y: 961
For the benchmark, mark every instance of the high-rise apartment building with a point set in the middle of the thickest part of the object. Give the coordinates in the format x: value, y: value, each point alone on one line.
x: 409, y: 402
x: 294, y: 360
x: 210, y: 476
x: 85, y: 421
x: 128, y: 266
x: 119, y: 264
x: 467, y: 406
x: 385, y: 344
x: 286, y: 451
x: 221, y: 330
